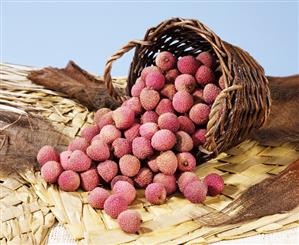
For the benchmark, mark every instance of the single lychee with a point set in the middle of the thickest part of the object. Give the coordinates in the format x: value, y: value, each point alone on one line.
x: 50, y: 171
x: 47, y: 153
x: 142, y: 148
x: 97, y: 197
x: 121, y: 178
x: 163, y: 140
x: 214, y: 183
x: 147, y: 130
x: 98, y: 150
x: 206, y: 59
x: 89, y: 179
x: 137, y: 87
x: 165, y: 60
x: 199, y: 137
x: 147, y: 70
x: 109, y: 133
x: 186, y: 124
x: 152, y: 164
x: 129, y: 165
x: 78, y: 161
x: 78, y: 144
x: 195, y: 191
x: 149, y: 116
x: 132, y: 132
x: 125, y: 189
x: 143, y: 178
x: 69, y: 180
x: 64, y: 157
x: 167, y: 162
x: 184, y: 142
x: 155, y: 80
x: 198, y: 96
x: 134, y: 104
x: 123, y: 117
x: 99, y: 113
x: 168, y: 181
x: 121, y: 146
x: 165, y: 105
x: 155, y: 193
x: 171, y: 75
x: 106, y: 119
x: 168, y: 91
x: 129, y: 221
x: 185, y: 82
x: 188, y: 65
x: 89, y: 132
x: 199, y: 113
x: 186, y: 178
x: 204, y: 75
x: 210, y: 92
x: 149, y: 98
x: 107, y: 170
x: 114, y: 205
x: 182, y: 101
x: 186, y: 161
x: 169, y: 121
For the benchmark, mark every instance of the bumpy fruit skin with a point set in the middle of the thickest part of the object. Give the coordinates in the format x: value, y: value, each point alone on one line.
x: 165, y: 60
x: 199, y: 113
x: 188, y: 65
x: 109, y: 133
x: 106, y: 119
x: 78, y: 161
x: 99, y: 113
x: 185, y: 82
x: 221, y: 82
x: 78, y: 144
x: 184, y: 142
x: 129, y: 221
x: 182, y: 101
x: 107, y: 170
x: 214, y: 183
x: 171, y: 75
x: 149, y: 116
x: 132, y: 132
x: 89, y: 132
x: 121, y: 178
x: 168, y: 181
x: 206, y: 59
x: 47, y: 153
x: 89, y: 179
x: 141, y: 148
x: 186, y: 161
x: 199, y: 137
x: 129, y: 165
x: 168, y: 91
x: 198, y: 96
x: 149, y: 99
x: 98, y: 150
x: 186, y: 178
x: 204, y: 75
x: 186, y: 124
x: 163, y: 140
x: 155, y: 80
x: 165, y: 105
x: 195, y: 191
x: 210, y: 92
x: 147, y: 70
x: 143, y: 178
x: 125, y: 189
x: 123, y: 117
x: 64, y: 157
x: 152, y: 164
x: 114, y: 205
x: 134, y: 104
x: 147, y: 130
x: 137, y: 87
x: 169, y: 121
x: 50, y: 171
x: 167, y: 162
x: 69, y: 180
x: 155, y: 193
x: 121, y: 147
x: 97, y: 197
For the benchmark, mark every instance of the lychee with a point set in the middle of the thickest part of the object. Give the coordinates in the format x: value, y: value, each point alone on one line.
x: 168, y: 181
x: 89, y: 132
x: 184, y: 142
x: 188, y: 65
x: 199, y: 137
x: 165, y: 60
x: 106, y: 119
x: 199, y: 113
x: 185, y: 82
x: 198, y: 96
x: 98, y: 150
x: 99, y: 113
x: 149, y: 116
x: 129, y: 165
x: 114, y: 205
x: 214, y: 183
x: 186, y: 161
x: 89, y: 179
x: 186, y: 178
x: 144, y: 177
x: 78, y: 144
x: 64, y: 157
x: 155, y: 193
x: 69, y: 180
x: 147, y: 130
x: 186, y: 124
x: 195, y: 191
x: 142, y: 148
x: 204, y: 75
x: 169, y: 121
x: 109, y: 133
x: 50, y: 171
x: 149, y: 98
x: 206, y: 59
x: 121, y: 178
x: 123, y: 117
x: 168, y: 91
x: 152, y: 164
x: 107, y: 170
x: 155, y: 80
x: 182, y: 101
x: 171, y: 75
x: 121, y: 146
x: 137, y: 87
x: 97, y: 197
x: 134, y: 104
x: 163, y: 140
x: 47, y: 153
x: 210, y: 92
x: 132, y: 132
x: 125, y: 189
x: 129, y: 221
x: 147, y: 70
x: 167, y: 162
x: 78, y: 161
x: 165, y: 105
x: 221, y: 82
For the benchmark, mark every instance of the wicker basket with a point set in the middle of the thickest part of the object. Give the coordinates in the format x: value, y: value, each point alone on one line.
x: 242, y: 106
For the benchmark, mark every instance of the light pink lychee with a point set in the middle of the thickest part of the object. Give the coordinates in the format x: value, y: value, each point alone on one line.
x: 47, y: 153
x: 121, y: 178
x: 69, y: 180
x: 129, y: 221
x: 199, y: 113
x: 195, y: 191
x: 182, y: 101
x: 214, y: 183
x: 142, y: 148
x: 169, y: 121
x: 89, y: 179
x: 134, y: 104
x: 168, y: 181
x: 78, y: 161
x: 98, y: 150
x: 185, y: 82
x: 210, y: 92
x: 165, y: 60
x: 106, y: 119
x: 186, y: 124
x: 147, y: 130
x: 186, y: 178
x: 155, y: 193
x: 125, y: 189
x: 165, y: 105
x: 107, y: 170
x: 184, y: 142
x: 109, y: 133
x: 114, y: 205
x: 199, y: 137
x: 89, y: 132
x: 132, y: 132
x: 149, y: 99
x: 137, y: 87
x: 163, y: 140
x: 123, y: 117
x: 147, y: 70
x: 204, y: 75
x: 144, y: 177
x: 186, y: 161
x: 78, y: 144
x: 50, y: 171
x: 121, y: 147
x: 167, y: 162
x: 99, y: 113
x: 188, y: 65
x: 149, y: 116
x: 168, y: 91
x: 155, y: 80
x: 129, y: 165
x: 64, y: 157
x: 206, y: 59
x: 97, y: 197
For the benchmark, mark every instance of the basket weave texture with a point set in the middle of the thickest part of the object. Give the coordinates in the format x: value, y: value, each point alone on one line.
x: 170, y: 223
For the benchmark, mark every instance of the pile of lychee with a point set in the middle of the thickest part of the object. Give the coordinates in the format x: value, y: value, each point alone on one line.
x: 148, y: 142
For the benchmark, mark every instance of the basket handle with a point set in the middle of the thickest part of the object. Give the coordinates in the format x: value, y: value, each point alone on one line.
x: 107, y: 71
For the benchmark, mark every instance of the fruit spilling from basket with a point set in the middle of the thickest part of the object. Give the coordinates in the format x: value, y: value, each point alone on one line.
x: 149, y: 142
